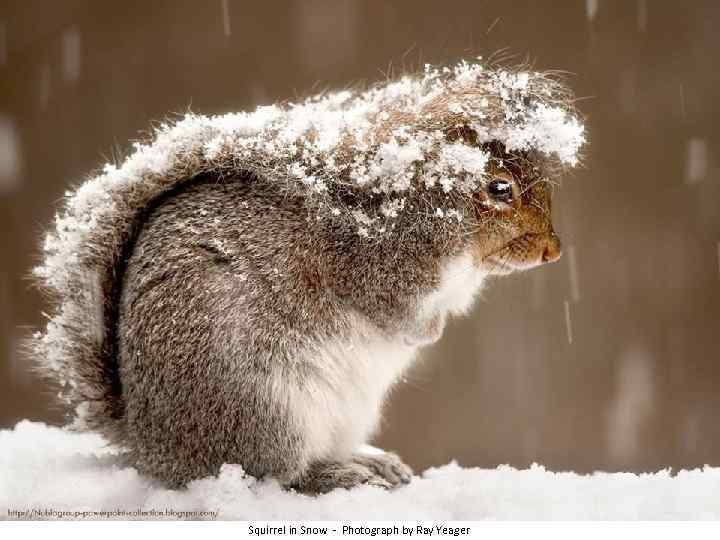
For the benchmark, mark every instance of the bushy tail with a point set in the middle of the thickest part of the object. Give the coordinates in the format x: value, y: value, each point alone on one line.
x: 84, y: 259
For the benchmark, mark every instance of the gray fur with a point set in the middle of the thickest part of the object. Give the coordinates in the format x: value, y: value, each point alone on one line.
x: 227, y: 283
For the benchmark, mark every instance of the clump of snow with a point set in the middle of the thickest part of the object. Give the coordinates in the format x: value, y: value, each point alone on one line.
x: 46, y: 467
x: 458, y: 161
x: 549, y: 130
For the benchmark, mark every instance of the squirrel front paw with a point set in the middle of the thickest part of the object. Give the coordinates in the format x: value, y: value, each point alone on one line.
x: 387, y: 465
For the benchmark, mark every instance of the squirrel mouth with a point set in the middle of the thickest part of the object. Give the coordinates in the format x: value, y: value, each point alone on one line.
x: 522, y: 253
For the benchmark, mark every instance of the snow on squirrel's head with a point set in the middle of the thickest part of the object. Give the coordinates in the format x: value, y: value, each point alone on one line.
x: 461, y: 144
x: 466, y: 144
x: 418, y: 131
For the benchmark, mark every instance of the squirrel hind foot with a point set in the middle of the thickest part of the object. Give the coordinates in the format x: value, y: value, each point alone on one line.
x: 385, y: 471
x: 387, y: 465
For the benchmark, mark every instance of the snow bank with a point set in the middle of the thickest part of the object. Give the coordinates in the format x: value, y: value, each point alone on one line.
x: 46, y: 467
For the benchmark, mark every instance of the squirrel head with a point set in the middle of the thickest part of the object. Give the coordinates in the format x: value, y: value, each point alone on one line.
x: 514, y: 229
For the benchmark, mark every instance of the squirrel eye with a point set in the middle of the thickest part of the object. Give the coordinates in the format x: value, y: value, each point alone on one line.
x: 500, y: 190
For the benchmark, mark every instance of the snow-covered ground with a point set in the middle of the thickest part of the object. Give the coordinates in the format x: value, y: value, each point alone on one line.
x: 48, y: 468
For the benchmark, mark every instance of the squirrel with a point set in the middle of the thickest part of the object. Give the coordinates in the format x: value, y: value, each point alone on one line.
x: 247, y: 288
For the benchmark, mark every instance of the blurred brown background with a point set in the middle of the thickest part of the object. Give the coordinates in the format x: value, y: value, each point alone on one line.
x: 605, y: 360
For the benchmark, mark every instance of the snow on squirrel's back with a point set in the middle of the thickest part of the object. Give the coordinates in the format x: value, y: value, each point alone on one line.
x: 46, y: 467
x: 388, y: 141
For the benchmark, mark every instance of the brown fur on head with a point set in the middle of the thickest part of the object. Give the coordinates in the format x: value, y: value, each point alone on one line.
x: 513, y: 211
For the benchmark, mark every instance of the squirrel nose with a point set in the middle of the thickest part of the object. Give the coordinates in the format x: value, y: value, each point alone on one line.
x: 553, y: 250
